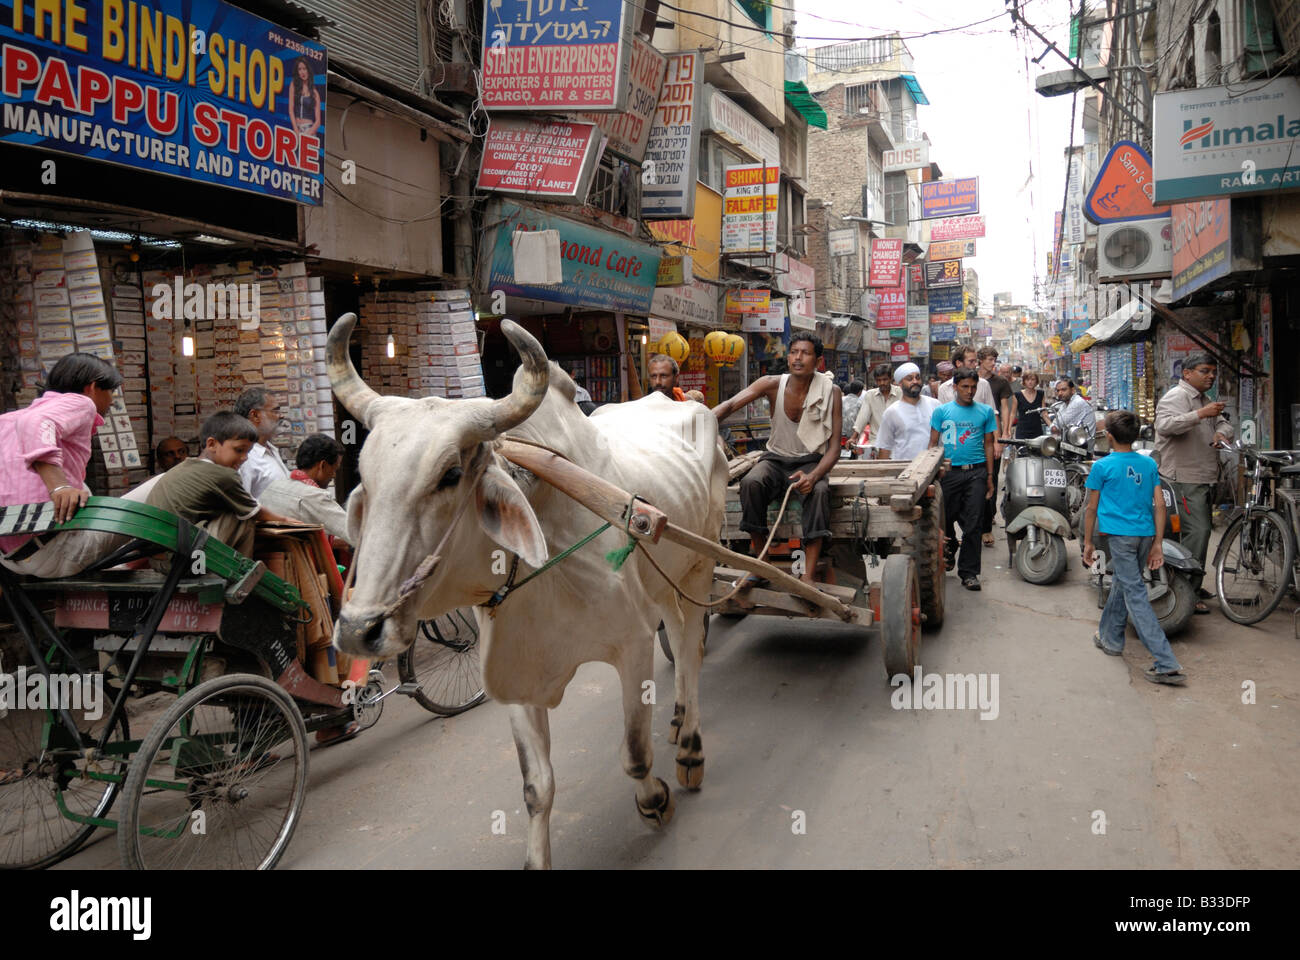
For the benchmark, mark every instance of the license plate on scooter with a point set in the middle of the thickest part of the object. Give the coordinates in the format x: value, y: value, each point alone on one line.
x: 1054, y: 478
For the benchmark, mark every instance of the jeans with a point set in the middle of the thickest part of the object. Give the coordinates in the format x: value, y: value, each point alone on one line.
x: 1128, y: 598
x: 1192, y: 501
x: 767, y: 481
x: 963, y: 502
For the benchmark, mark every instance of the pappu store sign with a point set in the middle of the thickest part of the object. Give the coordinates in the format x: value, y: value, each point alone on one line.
x: 600, y: 270
x: 1202, y: 243
x: 555, y: 56
x: 1125, y: 188
x: 196, y: 89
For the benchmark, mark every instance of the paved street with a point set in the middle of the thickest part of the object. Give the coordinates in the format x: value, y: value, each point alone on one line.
x: 798, y: 718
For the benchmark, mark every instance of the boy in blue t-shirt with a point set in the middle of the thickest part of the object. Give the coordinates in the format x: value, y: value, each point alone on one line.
x: 965, y: 429
x: 1125, y: 503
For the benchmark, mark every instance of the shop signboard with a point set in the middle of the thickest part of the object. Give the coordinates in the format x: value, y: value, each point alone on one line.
x: 1075, y: 232
x: 223, y: 110
x: 555, y: 58
x: 694, y: 303
x: 552, y: 161
x: 771, y: 320
x: 629, y: 131
x: 668, y: 170
x: 600, y: 270
x: 1226, y: 141
x: 1202, y: 243
x: 737, y: 125
x: 916, y: 275
x: 748, y: 301
x: 918, y: 330
x: 908, y: 156
x: 945, y: 300
x: 950, y: 250
x: 798, y: 281
x: 674, y: 271
x: 843, y: 243
x: 886, y: 263
x: 1124, y: 187
x: 950, y: 198
x: 700, y: 238
x: 957, y: 228
x: 898, y: 351
x: 944, y: 274
x: 892, y: 314
x: 658, y: 328
x: 945, y: 332
x: 750, y: 196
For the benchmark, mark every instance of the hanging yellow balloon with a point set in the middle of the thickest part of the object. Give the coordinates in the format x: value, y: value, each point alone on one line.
x: 716, y: 347
x: 735, y: 347
x: 674, y: 345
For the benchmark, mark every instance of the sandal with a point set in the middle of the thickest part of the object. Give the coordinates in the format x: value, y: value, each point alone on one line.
x: 1175, y: 678
x: 341, y: 734
x: 988, y: 539
x: 1200, y: 608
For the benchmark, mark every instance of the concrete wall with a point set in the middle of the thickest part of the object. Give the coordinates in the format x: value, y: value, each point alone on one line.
x: 397, y: 176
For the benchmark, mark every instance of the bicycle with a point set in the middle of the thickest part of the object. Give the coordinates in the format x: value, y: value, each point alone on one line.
x: 1256, y: 562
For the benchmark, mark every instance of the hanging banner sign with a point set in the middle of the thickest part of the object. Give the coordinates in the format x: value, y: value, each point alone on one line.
x: 950, y: 198
x: 695, y: 303
x: 1202, y: 243
x: 674, y: 271
x: 734, y: 123
x: 748, y: 301
x: 946, y: 299
x: 1221, y: 141
x: 958, y: 228
x: 892, y: 313
x: 898, y: 350
x: 918, y: 330
x: 244, y: 109
x: 908, y: 156
x: 916, y: 276
x: 842, y: 243
x: 1124, y: 187
x: 551, y: 160
x: 886, y: 263
x: 629, y: 131
x: 668, y: 169
x: 945, y: 332
x: 945, y: 273
x: 556, y: 57
x: 1075, y: 231
x: 749, y: 208
x: 770, y: 321
x: 950, y: 250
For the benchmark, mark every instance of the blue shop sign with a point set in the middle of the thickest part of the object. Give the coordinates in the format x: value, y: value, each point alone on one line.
x: 601, y: 270
x: 191, y: 88
x: 946, y: 300
x: 943, y: 332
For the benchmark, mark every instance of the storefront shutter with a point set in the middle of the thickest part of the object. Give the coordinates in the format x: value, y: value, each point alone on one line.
x: 382, y: 38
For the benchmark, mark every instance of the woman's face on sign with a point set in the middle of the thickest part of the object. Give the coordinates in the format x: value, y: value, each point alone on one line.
x: 303, y: 73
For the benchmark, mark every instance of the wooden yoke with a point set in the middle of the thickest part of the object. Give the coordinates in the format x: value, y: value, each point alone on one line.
x: 609, y: 502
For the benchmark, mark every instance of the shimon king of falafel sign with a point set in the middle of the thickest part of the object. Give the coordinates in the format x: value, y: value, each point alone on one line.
x: 192, y: 88
x: 556, y: 56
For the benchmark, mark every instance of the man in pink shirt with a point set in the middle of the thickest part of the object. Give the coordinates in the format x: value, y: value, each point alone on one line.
x: 44, y: 450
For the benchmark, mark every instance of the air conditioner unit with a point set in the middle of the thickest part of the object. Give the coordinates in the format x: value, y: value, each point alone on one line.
x: 1135, y: 250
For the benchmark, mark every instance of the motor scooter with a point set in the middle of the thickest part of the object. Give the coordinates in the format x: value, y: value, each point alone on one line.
x: 1034, y: 509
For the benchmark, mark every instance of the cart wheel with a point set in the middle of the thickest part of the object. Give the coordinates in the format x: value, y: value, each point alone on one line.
x: 667, y: 648
x: 42, y: 776
x: 219, y: 782
x: 900, y: 615
x: 925, y: 545
x: 444, y: 661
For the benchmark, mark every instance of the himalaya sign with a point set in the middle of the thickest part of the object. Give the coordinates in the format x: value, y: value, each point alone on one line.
x: 1209, y: 143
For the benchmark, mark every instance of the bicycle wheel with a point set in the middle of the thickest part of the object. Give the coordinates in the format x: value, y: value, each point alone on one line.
x: 44, y: 791
x: 1253, y: 566
x: 219, y: 781
x: 444, y: 661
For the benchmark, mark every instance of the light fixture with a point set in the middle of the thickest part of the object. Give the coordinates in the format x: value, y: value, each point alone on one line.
x: 644, y: 339
x: 392, y: 345
x: 187, y: 341
x: 208, y: 238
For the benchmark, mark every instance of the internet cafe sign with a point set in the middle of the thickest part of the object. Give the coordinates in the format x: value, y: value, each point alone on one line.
x: 1209, y: 142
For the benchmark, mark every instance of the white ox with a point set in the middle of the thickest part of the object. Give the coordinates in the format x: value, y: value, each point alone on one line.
x: 429, y: 471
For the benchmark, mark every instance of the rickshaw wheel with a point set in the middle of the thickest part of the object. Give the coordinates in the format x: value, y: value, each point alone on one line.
x: 38, y: 782
x: 444, y: 661
x: 219, y: 781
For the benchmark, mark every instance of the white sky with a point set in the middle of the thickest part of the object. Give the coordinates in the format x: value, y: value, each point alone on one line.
x: 984, y: 118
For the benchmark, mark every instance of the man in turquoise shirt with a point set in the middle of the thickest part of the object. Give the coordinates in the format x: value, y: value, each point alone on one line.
x: 966, y: 430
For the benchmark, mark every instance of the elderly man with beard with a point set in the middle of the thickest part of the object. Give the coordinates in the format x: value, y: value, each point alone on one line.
x: 905, y: 427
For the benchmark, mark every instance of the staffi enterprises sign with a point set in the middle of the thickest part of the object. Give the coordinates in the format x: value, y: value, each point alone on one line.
x: 1210, y: 143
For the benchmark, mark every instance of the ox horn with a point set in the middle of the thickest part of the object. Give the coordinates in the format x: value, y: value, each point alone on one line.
x: 348, y: 386
x: 530, y: 391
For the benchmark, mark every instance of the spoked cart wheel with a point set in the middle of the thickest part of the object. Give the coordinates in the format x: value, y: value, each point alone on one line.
x: 900, y: 615
x: 219, y: 781
x: 48, y: 789
x: 444, y: 662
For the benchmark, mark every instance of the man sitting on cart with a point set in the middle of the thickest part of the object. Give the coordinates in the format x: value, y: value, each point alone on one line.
x: 804, y: 445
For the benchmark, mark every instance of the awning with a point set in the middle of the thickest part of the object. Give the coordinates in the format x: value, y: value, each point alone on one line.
x: 913, y: 88
x: 1113, y: 329
x: 805, y: 104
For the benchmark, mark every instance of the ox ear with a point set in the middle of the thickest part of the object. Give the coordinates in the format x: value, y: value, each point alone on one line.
x: 356, y: 509
x: 507, y: 517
